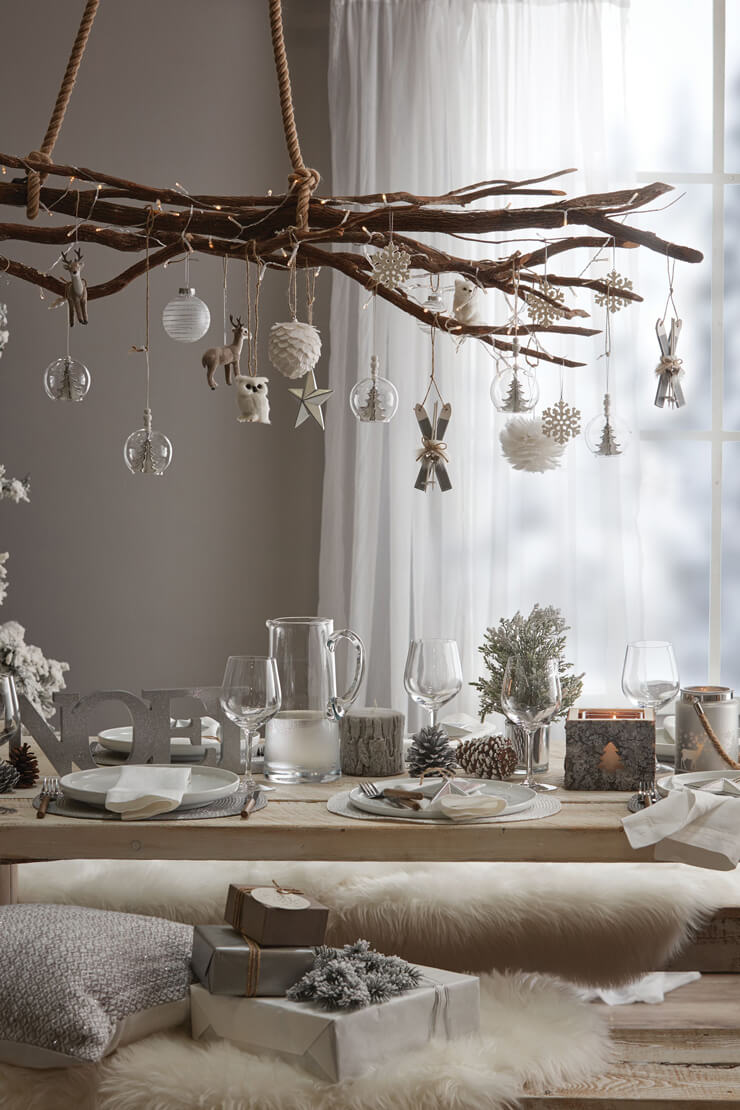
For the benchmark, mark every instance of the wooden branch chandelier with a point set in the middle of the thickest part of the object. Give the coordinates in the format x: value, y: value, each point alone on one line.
x: 299, y: 228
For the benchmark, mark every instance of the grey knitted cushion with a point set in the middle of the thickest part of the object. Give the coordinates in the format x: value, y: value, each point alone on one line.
x: 69, y: 976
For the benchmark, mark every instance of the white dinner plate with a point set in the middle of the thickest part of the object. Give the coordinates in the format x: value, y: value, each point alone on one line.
x: 696, y: 780
x: 121, y: 740
x: 207, y: 784
x: 517, y: 797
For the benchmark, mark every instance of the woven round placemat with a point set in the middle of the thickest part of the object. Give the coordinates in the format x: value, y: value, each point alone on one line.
x: 223, y: 807
x: 542, y: 806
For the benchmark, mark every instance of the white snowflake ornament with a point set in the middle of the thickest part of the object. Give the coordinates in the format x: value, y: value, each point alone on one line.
x: 391, y: 266
x: 544, y: 311
x: 561, y: 422
x: 526, y: 446
x: 612, y: 298
x: 294, y: 348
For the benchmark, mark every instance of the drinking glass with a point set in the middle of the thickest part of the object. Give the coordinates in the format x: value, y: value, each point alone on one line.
x: 650, y: 679
x: 530, y: 698
x: 433, y: 674
x: 250, y: 696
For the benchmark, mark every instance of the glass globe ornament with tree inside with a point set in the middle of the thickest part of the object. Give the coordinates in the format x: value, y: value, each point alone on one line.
x: 515, y: 389
x: 374, y: 400
x: 186, y: 317
x: 606, y: 435
x: 146, y: 451
x: 66, y: 379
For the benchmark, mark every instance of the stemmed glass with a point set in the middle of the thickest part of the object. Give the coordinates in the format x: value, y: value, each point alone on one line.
x: 433, y: 674
x: 250, y: 696
x: 650, y: 680
x: 530, y: 698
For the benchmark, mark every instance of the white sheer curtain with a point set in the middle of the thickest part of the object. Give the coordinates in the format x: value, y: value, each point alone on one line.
x: 426, y: 95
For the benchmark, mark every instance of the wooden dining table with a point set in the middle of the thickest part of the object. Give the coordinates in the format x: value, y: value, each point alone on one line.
x: 296, y: 825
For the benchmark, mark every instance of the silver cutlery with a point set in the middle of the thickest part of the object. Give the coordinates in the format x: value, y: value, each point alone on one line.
x: 407, y: 799
x: 647, y: 795
x: 50, y: 791
x: 250, y: 802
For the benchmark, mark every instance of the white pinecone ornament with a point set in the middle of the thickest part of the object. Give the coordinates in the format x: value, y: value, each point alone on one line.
x: 294, y: 348
x: 431, y: 752
x: 492, y: 757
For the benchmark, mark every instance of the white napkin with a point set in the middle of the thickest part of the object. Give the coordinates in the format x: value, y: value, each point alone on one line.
x: 689, y: 826
x: 650, y: 988
x: 143, y: 791
x: 468, y: 807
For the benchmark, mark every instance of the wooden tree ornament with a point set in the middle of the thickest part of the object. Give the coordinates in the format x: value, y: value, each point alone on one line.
x: 298, y: 228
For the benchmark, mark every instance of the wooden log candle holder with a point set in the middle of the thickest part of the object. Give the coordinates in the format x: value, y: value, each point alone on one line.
x: 609, y: 749
x: 372, y: 742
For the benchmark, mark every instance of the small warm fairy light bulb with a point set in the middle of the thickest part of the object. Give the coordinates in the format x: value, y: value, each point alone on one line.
x: 146, y: 451
x: 66, y: 379
x: 374, y: 400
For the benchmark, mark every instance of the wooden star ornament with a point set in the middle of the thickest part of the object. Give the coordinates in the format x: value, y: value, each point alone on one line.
x: 310, y: 400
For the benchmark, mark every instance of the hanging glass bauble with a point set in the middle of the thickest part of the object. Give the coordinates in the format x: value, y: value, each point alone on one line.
x: 515, y: 390
x: 606, y: 434
x: 186, y: 318
x: 374, y: 400
x: 433, y: 306
x: 146, y: 451
x: 66, y: 379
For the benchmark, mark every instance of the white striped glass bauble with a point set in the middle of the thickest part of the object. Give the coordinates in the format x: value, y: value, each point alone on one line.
x: 186, y: 317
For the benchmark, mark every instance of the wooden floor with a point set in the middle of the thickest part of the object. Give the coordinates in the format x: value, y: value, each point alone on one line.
x: 684, y: 1052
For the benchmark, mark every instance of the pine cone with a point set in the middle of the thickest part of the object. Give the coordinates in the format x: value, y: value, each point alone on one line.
x: 431, y: 749
x: 26, y: 764
x: 490, y: 758
x: 8, y: 777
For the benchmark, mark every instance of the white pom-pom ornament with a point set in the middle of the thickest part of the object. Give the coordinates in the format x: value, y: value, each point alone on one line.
x: 294, y: 348
x: 526, y: 446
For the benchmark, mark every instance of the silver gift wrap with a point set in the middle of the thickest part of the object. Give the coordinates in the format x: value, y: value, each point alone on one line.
x: 227, y: 963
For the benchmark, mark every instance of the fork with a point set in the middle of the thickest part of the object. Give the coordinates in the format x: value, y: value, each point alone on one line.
x: 407, y: 799
x: 50, y: 791
x: 647, y: 795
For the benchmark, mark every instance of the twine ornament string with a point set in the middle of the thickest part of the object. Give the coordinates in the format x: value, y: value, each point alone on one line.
x: 150, y: 218
x: 432, y: 378
x: 225, y: 294
x: 311, y: 275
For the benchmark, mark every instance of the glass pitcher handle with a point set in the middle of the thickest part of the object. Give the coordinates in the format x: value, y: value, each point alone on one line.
x: 338, y: 706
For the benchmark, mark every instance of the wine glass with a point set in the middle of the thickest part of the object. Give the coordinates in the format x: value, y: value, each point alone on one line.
x: 530, y: 698
x: 250, y: 696
x: 433, y: 674
x: 650, y: 680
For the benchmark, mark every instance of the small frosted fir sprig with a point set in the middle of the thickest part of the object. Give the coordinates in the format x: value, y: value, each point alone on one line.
x: 14, y: 489
x: 35, y: 676
x: 352, y: 977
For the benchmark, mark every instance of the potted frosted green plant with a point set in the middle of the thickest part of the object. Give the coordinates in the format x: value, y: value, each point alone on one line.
x: 538, y: 637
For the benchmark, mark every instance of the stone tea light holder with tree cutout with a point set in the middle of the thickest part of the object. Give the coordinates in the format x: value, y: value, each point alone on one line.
x: 609, y: 749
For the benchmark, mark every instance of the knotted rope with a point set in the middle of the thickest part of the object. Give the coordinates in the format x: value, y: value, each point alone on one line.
x: 303, y: 179
x: 669, y: 364
x: 35, y: 179
x: 432, y: 451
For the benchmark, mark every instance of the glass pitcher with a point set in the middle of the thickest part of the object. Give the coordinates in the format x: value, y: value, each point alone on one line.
x: 302, y: 740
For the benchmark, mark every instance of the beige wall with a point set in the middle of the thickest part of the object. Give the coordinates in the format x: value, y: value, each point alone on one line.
x: 142, y: 581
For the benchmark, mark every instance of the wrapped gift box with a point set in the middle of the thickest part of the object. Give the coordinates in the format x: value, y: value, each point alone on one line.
x: 340, y: 1044
x: 278, y: 925
x: 227, y: 963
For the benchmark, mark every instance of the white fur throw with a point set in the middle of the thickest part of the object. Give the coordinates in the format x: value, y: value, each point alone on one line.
x: 533, y: 1029
x: 598, y: 924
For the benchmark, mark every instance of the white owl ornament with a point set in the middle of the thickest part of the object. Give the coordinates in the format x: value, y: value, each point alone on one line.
x: 252, y: 399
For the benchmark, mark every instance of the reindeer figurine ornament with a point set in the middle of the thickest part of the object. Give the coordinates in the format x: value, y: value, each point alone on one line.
x: 228, y: 357
x: 76, y: 288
